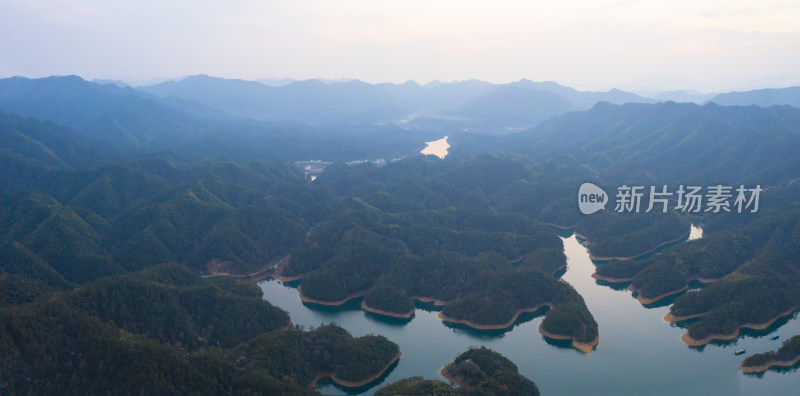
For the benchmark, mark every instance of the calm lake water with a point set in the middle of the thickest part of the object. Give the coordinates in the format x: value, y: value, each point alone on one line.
x: 436, y: 147
x: 638, y: 353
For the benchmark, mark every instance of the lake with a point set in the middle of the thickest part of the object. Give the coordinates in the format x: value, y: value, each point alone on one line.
x: 638, y: 352
x: 436, y: 147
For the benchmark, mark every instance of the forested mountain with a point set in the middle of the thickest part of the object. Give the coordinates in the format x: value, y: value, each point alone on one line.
x: 503, y: 109
x: 329, y: 349
x: 758, y: 285
x: 666, y: 143
x: 113, y: 203
x: 47, y: 144
x: 132, y: 124
x: 137, y: 215
x: 119, y: 117
x: 165, y: 330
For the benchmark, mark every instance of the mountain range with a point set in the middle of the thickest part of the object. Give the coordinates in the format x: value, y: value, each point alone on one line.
x: 123, y: 116
x: 432, y: 105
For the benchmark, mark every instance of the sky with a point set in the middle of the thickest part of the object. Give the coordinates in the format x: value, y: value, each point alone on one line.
x: 641, y: 46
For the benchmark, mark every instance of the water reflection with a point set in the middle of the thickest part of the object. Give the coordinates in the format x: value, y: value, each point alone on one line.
x: 669, y: 300
x: 327, y: 383
x: 389, y: 319
x: 793, y: 369
x: 427, y: 306
x: 523, y: 318
x: 561, y: 344
x: 618, y: 286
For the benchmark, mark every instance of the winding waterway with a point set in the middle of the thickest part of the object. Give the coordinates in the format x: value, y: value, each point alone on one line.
x: 638, y: 352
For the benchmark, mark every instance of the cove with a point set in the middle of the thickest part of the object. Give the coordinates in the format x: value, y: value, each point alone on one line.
x: 638, y: 352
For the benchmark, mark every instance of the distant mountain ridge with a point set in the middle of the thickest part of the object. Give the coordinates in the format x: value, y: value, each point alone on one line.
x: 507, y: 108
x: 648, y: 143
x: 172, y: 113
x: 762, y: 97
x: 46, y: 143
x: 434, y: 105
x: 69, y: 122
x: 682, y: 96
x: 113, y: 115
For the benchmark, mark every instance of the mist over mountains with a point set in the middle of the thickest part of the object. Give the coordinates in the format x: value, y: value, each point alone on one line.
x: 435, y: 105
x: 67, y: 122
x: 117, y: 114
x: 213, y: 118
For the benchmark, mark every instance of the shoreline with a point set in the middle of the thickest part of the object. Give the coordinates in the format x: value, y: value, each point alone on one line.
x: 364, y: 306
x: 560, y: 227
x: 769, y: 364
x: 581, y: 236
x: 555, y: 271
x: 377, y: 311
x: 501, y: 326
x: 442, y: 374
x: 436, y: 302
x: 724, y: 337
x: 288, y: 278
x: 279, y: 269
x: 660, y: 245
x: 669, y: 317
x: 353, y: 384
x: 610, y: 279
x: 585, y: 347
x: 645, y: 301
x: 327, y: 303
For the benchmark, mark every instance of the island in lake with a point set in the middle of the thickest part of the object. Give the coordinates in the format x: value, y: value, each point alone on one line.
x: 325, y: 352
x: 786, y: 356
x: 476, y: 285
x: 478, y: 371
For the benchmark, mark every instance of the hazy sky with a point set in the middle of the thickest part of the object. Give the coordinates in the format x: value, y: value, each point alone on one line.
x: 633, y: 45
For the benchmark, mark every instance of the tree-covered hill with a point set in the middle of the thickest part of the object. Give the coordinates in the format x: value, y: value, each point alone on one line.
x: 165, y: 330
x: 787, y: 355
x: 478, y: 371
x: 135, y: 124
x: 328, y: 349
x: 764, y: 288
x: 138, y: 215
x: 666, y: 143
